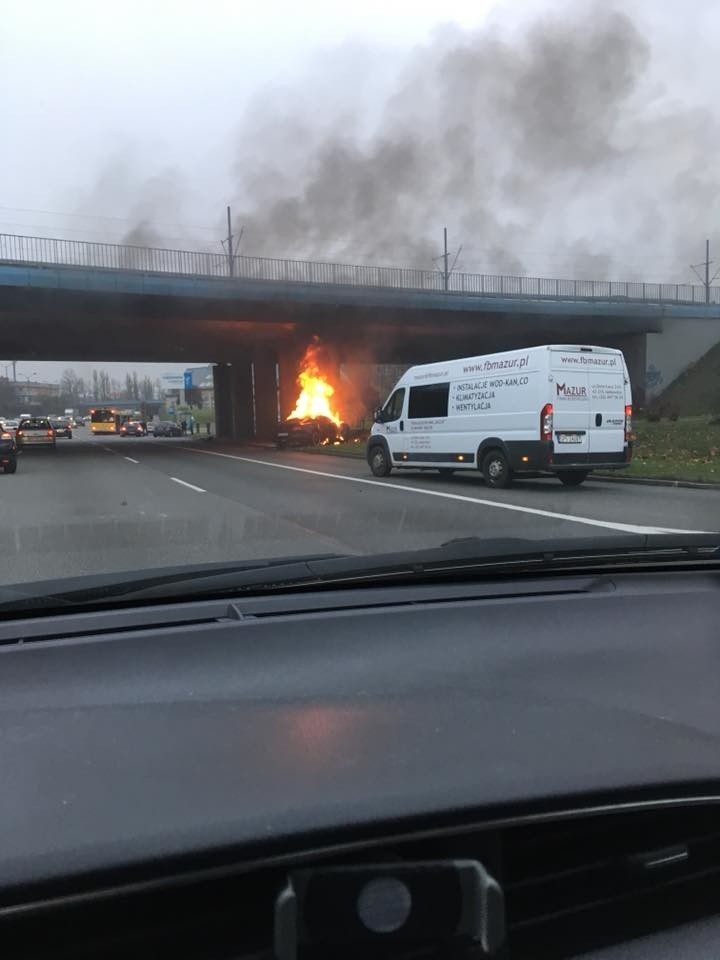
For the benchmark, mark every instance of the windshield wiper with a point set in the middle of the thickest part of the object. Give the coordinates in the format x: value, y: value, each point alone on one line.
x: 90, y: 588
x: 467, y: 556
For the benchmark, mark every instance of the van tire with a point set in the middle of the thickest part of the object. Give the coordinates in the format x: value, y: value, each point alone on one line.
x: 573, y: 478
x: 496, y: 469
x: 10, y: 467
x: 379, y: 461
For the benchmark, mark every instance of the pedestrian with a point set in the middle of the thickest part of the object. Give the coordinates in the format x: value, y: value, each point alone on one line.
x: 183, y: 426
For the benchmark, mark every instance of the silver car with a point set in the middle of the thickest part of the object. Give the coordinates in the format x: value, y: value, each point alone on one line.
x: 35, y: 432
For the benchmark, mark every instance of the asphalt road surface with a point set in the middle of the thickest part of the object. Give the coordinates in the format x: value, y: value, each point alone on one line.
x: 100, y: 504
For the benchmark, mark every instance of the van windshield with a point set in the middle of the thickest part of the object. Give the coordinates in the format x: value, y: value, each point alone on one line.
x: 394, y: 407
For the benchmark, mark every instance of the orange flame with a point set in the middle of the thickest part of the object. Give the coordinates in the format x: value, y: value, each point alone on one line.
x: 315, y: 392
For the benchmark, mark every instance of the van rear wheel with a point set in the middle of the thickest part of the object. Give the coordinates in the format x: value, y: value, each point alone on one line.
x: 496, y: 469
x: 573, y: 478
x: 379, y: 461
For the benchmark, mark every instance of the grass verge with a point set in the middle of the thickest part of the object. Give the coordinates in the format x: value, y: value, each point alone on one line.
x: 684, y: 449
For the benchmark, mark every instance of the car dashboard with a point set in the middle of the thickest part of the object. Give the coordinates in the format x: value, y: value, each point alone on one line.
x: 171, y: 771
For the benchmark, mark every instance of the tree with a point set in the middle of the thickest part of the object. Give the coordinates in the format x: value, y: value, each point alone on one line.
x: 102, y: 387
x: 147, y: 388
x: 69, y: 383
x: 135, y: 386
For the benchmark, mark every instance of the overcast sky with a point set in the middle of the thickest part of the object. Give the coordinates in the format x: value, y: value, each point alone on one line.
x: 146, y: 119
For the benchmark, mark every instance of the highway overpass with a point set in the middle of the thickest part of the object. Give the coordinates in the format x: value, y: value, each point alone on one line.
x: 253, y: 317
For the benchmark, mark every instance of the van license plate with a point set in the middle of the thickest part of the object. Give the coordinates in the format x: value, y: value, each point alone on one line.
x: 569, y: 438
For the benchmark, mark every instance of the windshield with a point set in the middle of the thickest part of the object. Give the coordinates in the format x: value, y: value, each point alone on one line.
x: 35, y: 424
x: 102, y: 416
x: 284, y: 281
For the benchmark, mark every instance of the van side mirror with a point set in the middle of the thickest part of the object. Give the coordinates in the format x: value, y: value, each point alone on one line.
x: 379, y: 416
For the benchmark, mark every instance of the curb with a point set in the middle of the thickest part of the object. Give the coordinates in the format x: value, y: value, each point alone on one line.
x: 650, y: 482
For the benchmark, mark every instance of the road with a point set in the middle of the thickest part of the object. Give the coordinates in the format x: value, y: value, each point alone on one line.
x: 104, y: 504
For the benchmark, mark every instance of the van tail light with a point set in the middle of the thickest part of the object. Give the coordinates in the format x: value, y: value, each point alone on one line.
x: 546, y: 422
x: 18, y: 433
x: 628, y: 422
x: 51, y: 433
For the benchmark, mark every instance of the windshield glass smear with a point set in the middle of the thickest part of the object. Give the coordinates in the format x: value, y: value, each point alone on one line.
x: 411, y: 287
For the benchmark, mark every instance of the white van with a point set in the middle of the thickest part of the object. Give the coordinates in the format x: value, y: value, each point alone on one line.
x: 554, y: 409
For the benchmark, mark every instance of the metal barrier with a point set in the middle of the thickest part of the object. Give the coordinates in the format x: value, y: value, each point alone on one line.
x: 187, y: 263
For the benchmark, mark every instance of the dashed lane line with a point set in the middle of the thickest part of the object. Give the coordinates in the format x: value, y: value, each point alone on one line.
x: 190, y: 485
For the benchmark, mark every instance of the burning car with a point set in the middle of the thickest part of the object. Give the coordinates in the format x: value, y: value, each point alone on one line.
x: 309, y: 432
x: 314, y: 421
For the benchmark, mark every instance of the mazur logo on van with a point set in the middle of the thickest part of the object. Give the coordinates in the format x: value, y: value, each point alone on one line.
x: 570, y: 391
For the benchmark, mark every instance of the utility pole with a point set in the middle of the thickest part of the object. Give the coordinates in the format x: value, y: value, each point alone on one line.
x: 232, y: 250
x: 707, y: 271
x: 231, y: 254
x: 705, y: 278
x: 446, y: 272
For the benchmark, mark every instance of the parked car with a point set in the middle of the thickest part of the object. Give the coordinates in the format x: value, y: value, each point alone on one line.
x: 133, y: 428
x: 308, y: 432
x: 10, y: 426
x: 62, y: 428
x: 35, y: 432
x: 8, y: 452
x: 166, y: 428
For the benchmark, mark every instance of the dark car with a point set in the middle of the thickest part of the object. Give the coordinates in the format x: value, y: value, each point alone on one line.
x: 8, y: 452
x: 133, y: 428
x: 166, y: 428
x: 308, y: 432
x: 62, y: 428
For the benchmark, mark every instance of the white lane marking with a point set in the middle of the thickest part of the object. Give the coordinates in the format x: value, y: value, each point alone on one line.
x: 186, y: 484
x: 131, y: 460
x: 480, y: 501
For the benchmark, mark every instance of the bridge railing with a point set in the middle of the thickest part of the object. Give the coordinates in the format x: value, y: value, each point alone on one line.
x: 112, y: 256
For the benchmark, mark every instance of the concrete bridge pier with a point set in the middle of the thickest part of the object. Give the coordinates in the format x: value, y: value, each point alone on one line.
x: 254, y: 391
x: 233, y: 382
x: 265, y: 392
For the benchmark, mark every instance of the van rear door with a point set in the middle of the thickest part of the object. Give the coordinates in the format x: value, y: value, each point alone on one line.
x: 571, y: 406
x: 607, y: 403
